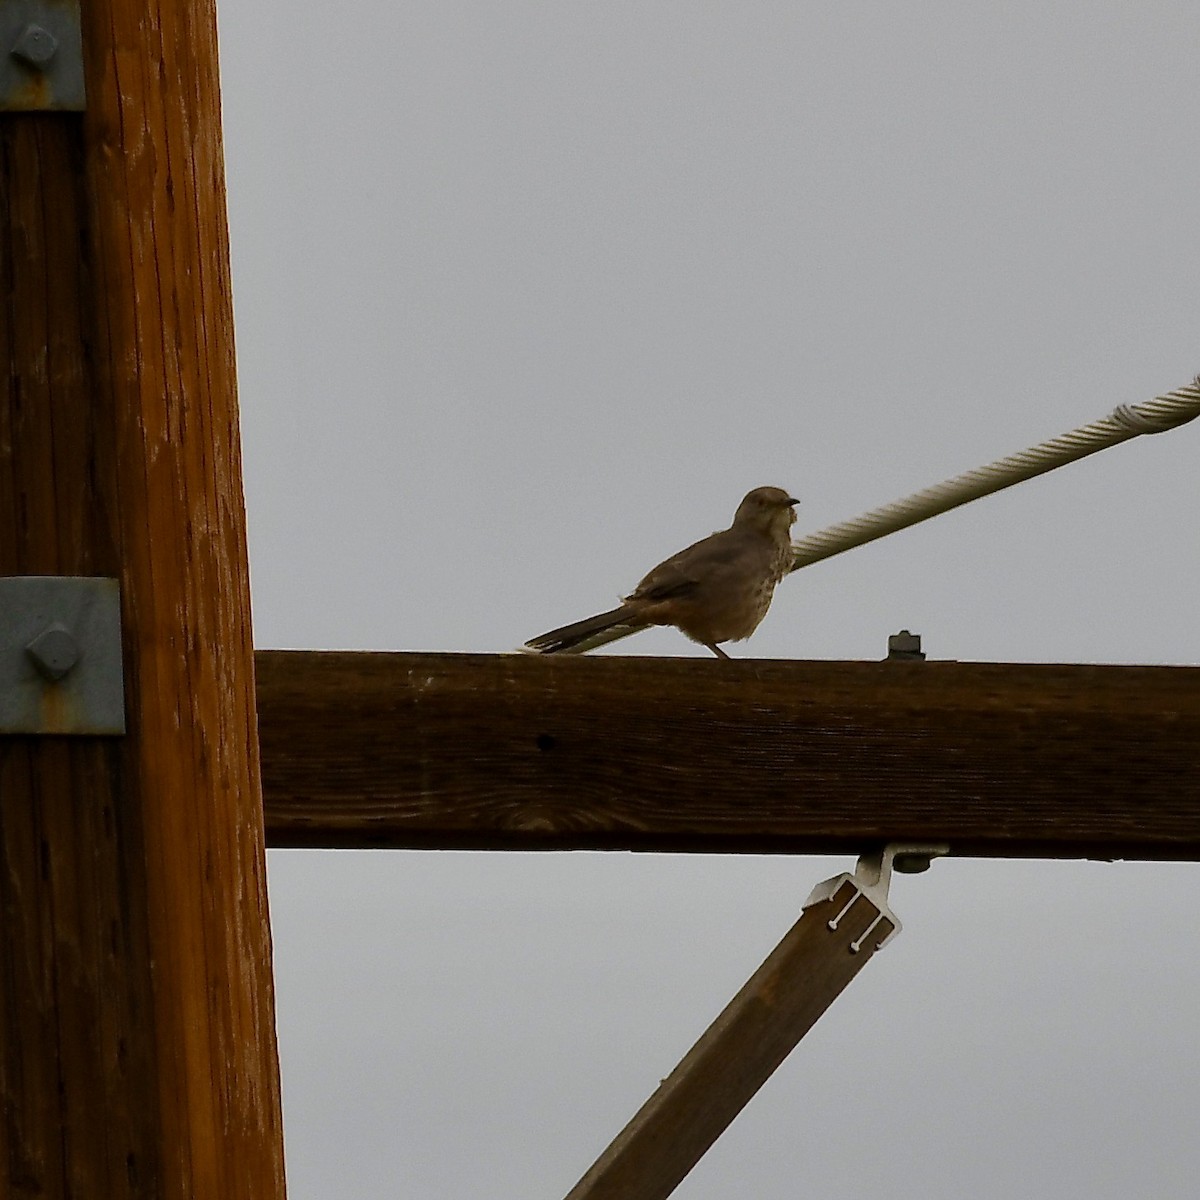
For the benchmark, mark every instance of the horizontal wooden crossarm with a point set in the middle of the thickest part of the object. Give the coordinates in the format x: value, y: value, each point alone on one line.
x: 548, y: 753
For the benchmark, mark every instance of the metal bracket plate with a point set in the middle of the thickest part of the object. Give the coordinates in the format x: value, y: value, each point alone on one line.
x: 41, y: 56
x: 60, y: 655
x: 870, y: 880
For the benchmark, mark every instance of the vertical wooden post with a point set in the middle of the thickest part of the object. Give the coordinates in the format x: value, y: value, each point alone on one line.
x: 137, y: 1046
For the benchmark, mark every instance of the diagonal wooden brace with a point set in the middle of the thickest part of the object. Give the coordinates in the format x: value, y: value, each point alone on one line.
x: 845, y: 921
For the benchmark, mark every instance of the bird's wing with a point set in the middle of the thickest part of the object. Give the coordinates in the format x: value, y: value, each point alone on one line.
x: 682, y: 573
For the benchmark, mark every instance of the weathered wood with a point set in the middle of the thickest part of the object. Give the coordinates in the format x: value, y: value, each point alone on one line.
x: 525, y: 752
x: 739, y: 1051
x: 137, y: 1053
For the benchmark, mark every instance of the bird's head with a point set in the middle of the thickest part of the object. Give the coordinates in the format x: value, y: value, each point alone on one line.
x: 769, y: 509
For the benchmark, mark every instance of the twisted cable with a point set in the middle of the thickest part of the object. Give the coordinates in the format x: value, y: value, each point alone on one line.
x: 1124, y: 422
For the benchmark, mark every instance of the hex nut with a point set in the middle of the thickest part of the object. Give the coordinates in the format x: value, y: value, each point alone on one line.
x: 35, y: 47
x: 54, y: 652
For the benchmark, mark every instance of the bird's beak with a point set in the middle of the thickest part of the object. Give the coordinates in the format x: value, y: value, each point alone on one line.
x: 792, y: 501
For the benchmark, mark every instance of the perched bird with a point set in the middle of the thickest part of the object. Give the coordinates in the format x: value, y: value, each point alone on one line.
x: 717, y: 590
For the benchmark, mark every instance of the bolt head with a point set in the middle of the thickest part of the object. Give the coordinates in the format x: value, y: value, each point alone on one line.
x: 905, y: 645
x: 35, y: 47
x: 54, y: 652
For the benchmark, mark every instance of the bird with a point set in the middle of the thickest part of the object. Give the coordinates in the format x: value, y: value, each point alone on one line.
x: 717, y: 590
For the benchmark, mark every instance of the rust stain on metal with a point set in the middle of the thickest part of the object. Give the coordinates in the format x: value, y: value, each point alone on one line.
x: 36, y: 93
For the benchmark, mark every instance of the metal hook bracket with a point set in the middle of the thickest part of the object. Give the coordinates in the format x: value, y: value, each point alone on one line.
x: 871, y: 878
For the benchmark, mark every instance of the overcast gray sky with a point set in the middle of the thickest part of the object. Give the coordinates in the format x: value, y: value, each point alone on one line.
x: 528, y: 295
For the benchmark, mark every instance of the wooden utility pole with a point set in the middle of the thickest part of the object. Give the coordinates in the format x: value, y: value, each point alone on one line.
x: 137, y: 1049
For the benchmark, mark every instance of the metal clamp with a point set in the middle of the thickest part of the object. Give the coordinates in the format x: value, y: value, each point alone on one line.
x: 871, y: 878
x: 41, y: 56
x: 60, y: 655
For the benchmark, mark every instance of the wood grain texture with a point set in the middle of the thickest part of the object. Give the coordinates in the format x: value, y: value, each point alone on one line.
x: 524, y: 752
x: 739, y: 1051
x: 137, y: 1053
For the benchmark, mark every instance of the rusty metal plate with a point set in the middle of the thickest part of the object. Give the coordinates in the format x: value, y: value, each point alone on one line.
x: 41, y: 56
x: 60, y: 655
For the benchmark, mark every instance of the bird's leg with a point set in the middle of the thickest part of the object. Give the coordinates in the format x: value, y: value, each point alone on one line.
x: 716, y: 649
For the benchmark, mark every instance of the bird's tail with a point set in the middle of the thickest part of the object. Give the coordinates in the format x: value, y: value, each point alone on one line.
x: 570, y: 636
